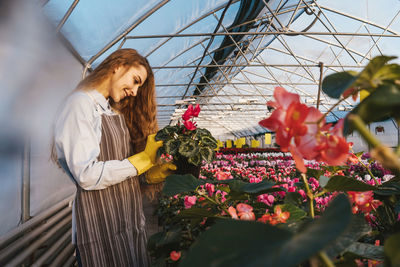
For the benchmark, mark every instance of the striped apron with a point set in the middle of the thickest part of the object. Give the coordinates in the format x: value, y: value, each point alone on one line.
x: 110, y: 223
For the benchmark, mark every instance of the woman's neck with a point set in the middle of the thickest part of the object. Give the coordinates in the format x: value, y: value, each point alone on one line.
x: 104, y: 88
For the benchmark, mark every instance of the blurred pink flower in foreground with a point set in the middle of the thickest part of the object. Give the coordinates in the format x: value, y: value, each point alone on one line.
x: 189, y: 201
x: 303, y: 131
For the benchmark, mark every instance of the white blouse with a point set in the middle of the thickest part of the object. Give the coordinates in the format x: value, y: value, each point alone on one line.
x: 77, y: 141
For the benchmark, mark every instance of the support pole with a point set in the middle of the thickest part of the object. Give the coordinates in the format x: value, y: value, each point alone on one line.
x: 25, y: 192
x: 321, y: 72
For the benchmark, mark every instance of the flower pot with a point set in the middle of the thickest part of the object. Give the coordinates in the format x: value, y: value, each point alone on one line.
x: 184, y: 167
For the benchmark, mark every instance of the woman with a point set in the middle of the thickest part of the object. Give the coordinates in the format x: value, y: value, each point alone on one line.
x: 102, y: 123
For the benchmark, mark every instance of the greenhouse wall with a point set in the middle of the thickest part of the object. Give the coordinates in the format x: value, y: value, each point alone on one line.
x: 31, y: 100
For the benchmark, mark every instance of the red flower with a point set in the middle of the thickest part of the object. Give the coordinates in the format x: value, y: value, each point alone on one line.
x: 196, y: 111
x: 190, y: 125
x: 363, y: 201
x: 191, y: 112
x: 299, y: 130
x: 175, y: 255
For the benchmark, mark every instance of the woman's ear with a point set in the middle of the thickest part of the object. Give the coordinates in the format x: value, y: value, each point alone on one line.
x: 116, y: 69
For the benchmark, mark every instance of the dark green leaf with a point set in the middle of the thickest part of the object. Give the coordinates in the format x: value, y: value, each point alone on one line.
x: 195, y: 159
x: 388, y: 189
x: 293, y: 198
x: 335, y: 84
x: 343, y: 183
x: 314, y: 173
x: 392, y: 249
x: 176, y: 184
x: 243, y: 243
x: 366, y: 250
x: 296, y: 213
x: 166, y: 133
x: 380, y: 105
x: 203, y: 132
x: 171, y: 146
x: 209, y: 141
x: 357, y: 228
x: 164, y: 240
x: 252, y: 188
x: 195, y: 212
x: 188, y: 148
x: 207, y: 153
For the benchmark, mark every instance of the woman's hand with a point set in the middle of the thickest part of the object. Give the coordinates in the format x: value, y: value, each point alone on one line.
x: 147, y: 158
x: 158, y: 173
x: 152, y: 146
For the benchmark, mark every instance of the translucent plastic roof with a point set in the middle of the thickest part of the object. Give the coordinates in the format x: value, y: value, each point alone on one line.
x: 257, y: 46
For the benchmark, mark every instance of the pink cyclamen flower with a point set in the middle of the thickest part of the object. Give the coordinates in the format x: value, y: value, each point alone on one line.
x: 190, y: 125
x: 196, y: 110
x: 190, y: 201
x: 191, y: 112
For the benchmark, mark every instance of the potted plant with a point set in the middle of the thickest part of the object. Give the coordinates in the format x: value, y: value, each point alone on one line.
x: 187, y: 144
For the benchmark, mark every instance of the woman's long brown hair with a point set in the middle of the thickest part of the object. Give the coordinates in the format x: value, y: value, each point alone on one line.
x: 139, y: 111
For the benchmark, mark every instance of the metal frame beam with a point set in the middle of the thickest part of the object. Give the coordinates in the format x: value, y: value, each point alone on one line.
x: 288, y: 33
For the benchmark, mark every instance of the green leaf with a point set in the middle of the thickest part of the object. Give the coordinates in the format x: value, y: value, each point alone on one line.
x: 176, y: 184
x: 195, y: 212
x: 388, y: 189
x: 252, y: 188
x: 244, y: 243
x: 207, y: 154
x: 335, y: 84
x: 323, y: 180
x: 392, y: 249
x: 166, y: 133
x: 314, y: 173
x: 380, y: 105
x: 366, y: 250
x: 209, y: 141
x: 343, y: 183
x: 357, y: 228
x: 195, y: 159
x: 188, y: 148
x: 162, y: 241
x: 373, y: 73
x: 171, y: 146
x: 203, y: 132
x: 296, y: 213
x: 388, y: 73
x: 293, y: 198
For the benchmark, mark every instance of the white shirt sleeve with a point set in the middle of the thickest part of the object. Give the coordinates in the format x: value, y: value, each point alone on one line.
x: 78, y: 146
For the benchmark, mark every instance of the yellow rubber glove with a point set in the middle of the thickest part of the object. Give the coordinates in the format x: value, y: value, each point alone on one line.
x: 147, y: 158
x: 158, y: 173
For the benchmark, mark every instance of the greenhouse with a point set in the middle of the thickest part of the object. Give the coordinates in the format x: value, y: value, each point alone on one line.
x: 200, y: 133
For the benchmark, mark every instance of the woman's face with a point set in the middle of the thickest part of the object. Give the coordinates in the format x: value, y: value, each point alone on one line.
x: 125, y: 81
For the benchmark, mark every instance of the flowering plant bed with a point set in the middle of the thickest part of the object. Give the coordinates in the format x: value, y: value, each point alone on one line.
x: 247, y: 150
x: 320, y: 204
